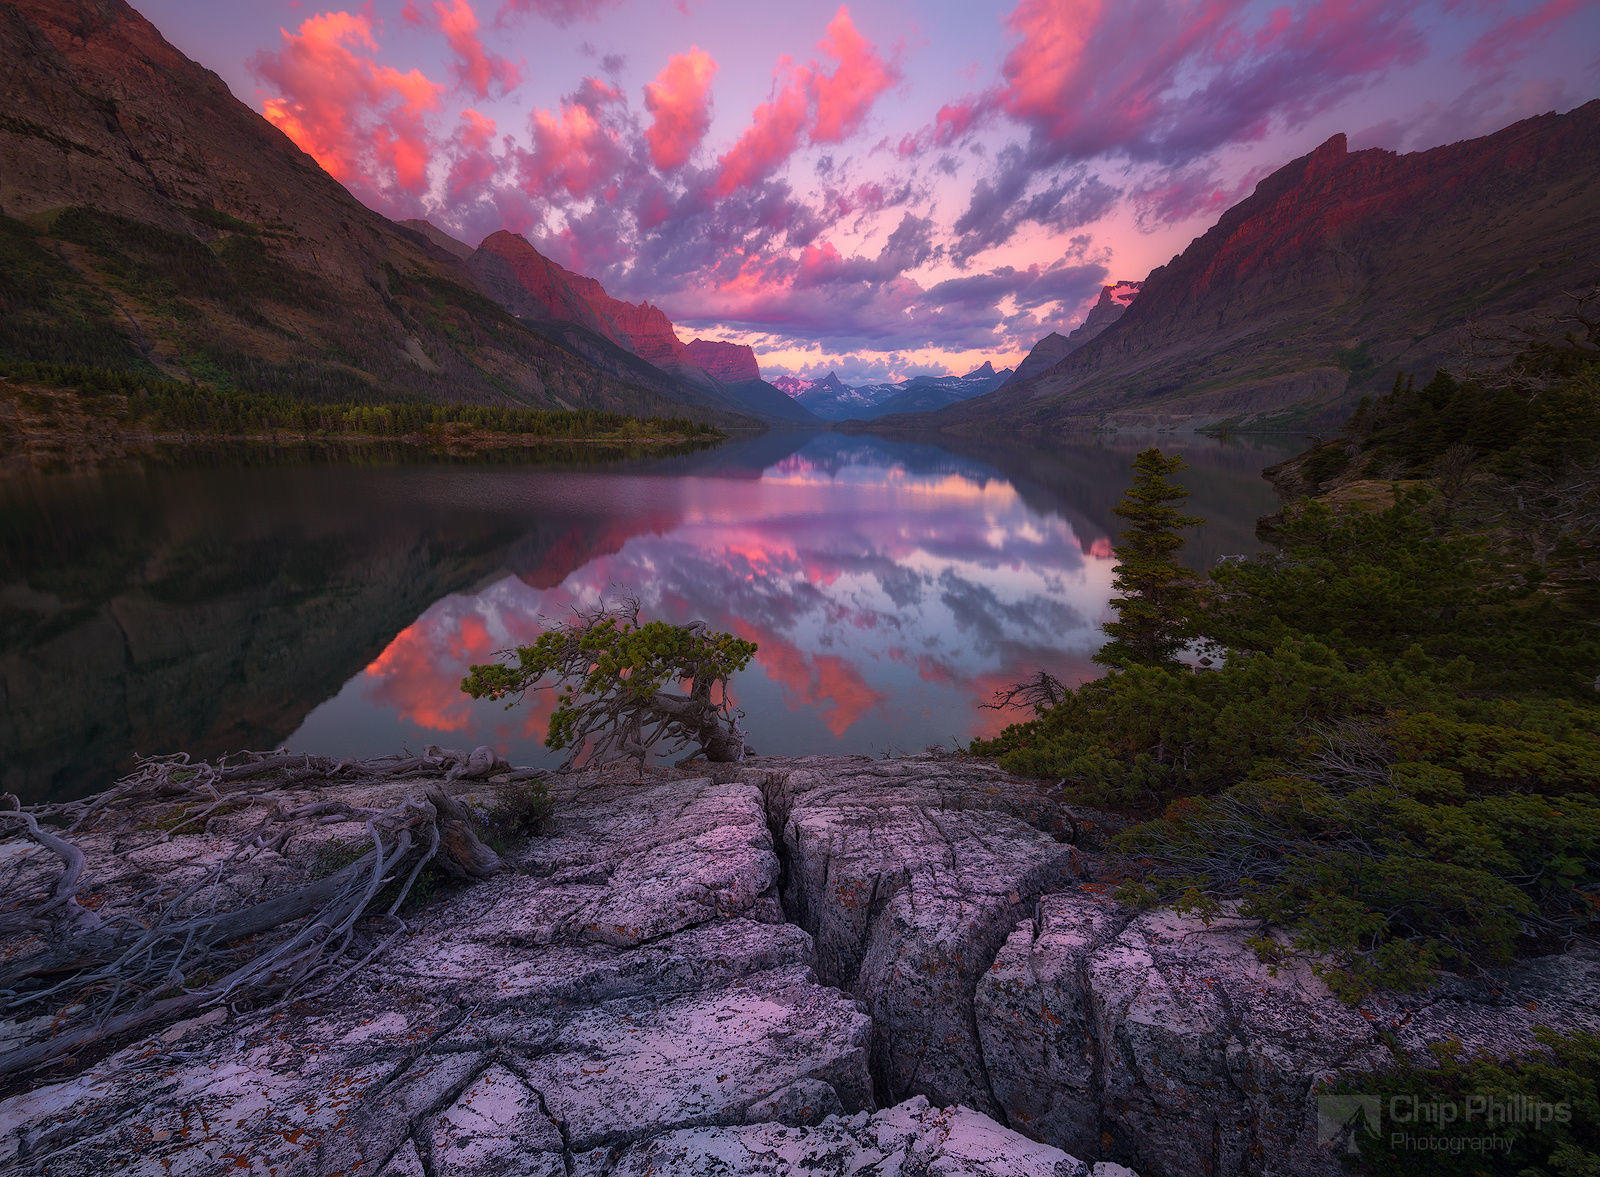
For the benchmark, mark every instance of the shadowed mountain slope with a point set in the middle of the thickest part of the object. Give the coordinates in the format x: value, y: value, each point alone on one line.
x: 634, y: 341
x: 153, y: 222
x: 1340, y: 269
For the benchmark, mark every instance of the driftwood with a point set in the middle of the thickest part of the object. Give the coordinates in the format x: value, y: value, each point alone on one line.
x: 90, y: 972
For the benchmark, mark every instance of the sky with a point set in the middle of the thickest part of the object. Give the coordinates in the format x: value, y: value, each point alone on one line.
x: 886, y: 188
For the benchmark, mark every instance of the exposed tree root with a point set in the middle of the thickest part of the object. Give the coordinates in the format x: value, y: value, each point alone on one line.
x: 84, y: 966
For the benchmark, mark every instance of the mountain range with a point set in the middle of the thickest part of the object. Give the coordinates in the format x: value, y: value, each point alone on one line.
x: 149, y: 221
x: 833, y: 400
x: 1341, y: 269
x: 633, y: 341
x: 1053, y: 348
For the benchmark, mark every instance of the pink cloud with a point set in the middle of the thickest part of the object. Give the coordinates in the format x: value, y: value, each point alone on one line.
x: 680, y: 101
x: 1139, y: 79
x: 841, y: 99
x: 773, y: 135
x: 576, y: 149
x: 1514, y: 36
x: 953, y: 122
x: 475, y: 68
x: 363, y: 122
x: 473, y: 164
x: 844, y: 96
x: 1181, y: 194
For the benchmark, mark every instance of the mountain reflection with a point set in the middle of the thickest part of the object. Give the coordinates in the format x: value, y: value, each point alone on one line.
x: 892, y: 588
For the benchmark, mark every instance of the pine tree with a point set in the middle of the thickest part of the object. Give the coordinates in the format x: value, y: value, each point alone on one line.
x: 1155, y: 592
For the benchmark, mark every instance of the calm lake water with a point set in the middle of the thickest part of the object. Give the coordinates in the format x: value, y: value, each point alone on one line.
x: 892, y: 588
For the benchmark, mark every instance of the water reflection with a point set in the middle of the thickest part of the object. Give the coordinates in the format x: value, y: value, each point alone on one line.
x: 892, y: 587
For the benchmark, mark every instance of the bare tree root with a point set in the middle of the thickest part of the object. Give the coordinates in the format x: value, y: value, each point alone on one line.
x: 78, y: 972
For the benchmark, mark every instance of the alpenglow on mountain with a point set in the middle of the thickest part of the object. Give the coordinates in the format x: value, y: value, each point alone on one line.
x: 1341, y: 269
x: 150, y: 222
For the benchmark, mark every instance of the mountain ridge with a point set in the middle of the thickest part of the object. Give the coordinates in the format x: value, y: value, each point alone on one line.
x: 833, y: 400
x: 1339, y: 270
x: 635, y: 341
x: 151, y: 222
x: 1114, y: 299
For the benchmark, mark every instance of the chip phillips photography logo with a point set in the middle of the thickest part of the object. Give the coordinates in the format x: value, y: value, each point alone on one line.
x: 1479, y: 1123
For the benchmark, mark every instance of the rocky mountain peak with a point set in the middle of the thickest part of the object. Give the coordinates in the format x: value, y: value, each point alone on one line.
x: 527, y: 283
x: 1382, y: 254
x: 457, y: 249
x: 1329, y: 154
x: 732, y: 363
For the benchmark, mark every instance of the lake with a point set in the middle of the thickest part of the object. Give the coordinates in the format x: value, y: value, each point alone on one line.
x: 892, y: 587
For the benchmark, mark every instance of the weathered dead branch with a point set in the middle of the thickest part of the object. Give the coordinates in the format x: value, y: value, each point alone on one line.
x: 1039, y: 693
x: 99, y: 948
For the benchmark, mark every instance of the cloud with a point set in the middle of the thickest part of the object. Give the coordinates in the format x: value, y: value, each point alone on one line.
x: 1173, y: 195
x: 1067, y: 281
x: 1512, y: 37
x: 473, y: 165
x: 1169, y: 82
x: 362, y: 121
x: 559, y: 12
x: 475, y: 68
x: 833, y: 104
x: 842, y: 303
x: 680, y: 101
x: 1016, y: 196
x: 576, y: 149
x: 773, y: 134
x: 844, y: 96
x: 953, y: 123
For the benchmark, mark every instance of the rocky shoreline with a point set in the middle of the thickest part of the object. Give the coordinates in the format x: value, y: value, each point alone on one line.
x: 785, y: 966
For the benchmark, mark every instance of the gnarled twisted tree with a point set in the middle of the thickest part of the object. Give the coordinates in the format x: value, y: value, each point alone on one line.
x: 97, y: 946
x: 610, y: 672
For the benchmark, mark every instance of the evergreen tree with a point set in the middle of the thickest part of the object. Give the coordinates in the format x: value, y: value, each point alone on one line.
x: 1156, y: 593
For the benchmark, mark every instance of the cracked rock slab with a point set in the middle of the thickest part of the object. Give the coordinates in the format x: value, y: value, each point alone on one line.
x: 909, y: 874
x: 630, y: 975
x: 912, y: 1139
x: 1034, y: 1020
x: 1167, y: 1043
x: 497, y: 1127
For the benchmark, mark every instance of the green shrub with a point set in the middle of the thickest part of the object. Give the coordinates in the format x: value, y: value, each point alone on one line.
x: 1146, y: 735
x: 1379, y: 853
x: 1373, y: 583
x: 1505, y: 1100
x: 1396, y: 758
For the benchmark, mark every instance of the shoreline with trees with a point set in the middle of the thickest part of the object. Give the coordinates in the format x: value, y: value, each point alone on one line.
x: 53, y: 417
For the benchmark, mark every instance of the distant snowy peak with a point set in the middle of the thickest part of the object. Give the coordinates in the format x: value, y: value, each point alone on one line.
x: 833, y: 400
x: 791, y: 385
